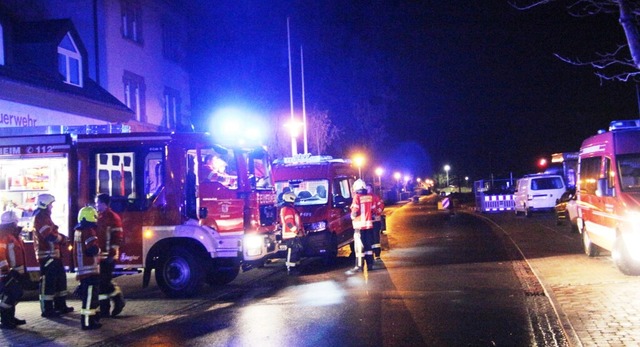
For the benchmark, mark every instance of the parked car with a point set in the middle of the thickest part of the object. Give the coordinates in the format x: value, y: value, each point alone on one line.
x: 567, y: 210
x: 539, y: 192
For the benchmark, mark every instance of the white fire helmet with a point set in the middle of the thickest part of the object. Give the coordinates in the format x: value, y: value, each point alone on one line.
x: 289, y: 197
x: 44, y: 200
x: 8, y: 217
x: 359, y: 185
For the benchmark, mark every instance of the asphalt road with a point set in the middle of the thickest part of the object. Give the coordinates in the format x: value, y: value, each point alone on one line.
x: 449, y: 280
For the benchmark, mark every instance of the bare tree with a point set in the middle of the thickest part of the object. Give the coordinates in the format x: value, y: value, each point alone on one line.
x: 321, y: 131
x: 621, y: 64
x: 279, y: 140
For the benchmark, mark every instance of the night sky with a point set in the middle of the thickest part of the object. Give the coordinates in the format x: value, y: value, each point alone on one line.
x: 473, y: 84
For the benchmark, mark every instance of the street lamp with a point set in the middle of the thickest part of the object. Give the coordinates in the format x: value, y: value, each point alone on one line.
x: 294, y: 127
x: 397, y: 176
x: 358, y: 159
x: 446, y: 169
x: 379, y: 171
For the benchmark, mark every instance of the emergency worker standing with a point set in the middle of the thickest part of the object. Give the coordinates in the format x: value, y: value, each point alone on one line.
x: 12, y: 263
x: 87, y: 258
x: 362, y: 219
x: 110, y: 237
x: 47, y: 241
x: 378, y: 208
x: 292, y: 230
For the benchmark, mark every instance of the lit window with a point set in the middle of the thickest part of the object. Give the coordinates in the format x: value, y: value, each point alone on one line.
x: 1, y: 45
x: 70, y: 61
x: 171, y: 108
x: 131, y: 13
x: 134, y: 94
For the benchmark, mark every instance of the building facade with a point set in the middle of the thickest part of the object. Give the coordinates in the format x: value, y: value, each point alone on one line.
x: 136, y: 50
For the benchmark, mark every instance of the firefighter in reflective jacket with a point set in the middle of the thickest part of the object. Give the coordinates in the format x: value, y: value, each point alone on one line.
x: 12, y: 262
x: 378, y: 208
x: 292, y: 230
x: 87, y: 257
x: 47, y: 241
x: 362, y: 219
x: 110, y: 238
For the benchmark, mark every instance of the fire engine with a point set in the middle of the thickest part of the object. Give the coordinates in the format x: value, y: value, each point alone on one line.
x: 322, y: 185
x: 177, y: 223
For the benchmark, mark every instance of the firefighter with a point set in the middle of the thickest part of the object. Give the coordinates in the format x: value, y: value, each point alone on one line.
x: 12, y: 263
x: 362, y: 219
x: 87, y: 256
x: 47, y: 242
x: 378, y: 208
x: 110, y: 237
x: 292, y: 231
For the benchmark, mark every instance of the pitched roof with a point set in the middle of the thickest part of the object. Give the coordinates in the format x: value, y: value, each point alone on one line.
x: 32, y: 77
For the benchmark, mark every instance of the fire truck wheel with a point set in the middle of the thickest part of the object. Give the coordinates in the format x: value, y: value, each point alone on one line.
x: 589, y: 248
x: 330, y: 257
x: 179, y: 274
x: 623, y: 260
x: 221, y: 276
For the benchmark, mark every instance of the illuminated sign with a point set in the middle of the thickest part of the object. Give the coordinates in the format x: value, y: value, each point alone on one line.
x: 17, y: 121
x: 38, y: 149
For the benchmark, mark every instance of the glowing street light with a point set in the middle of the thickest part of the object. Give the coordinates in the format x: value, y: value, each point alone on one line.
x: 397, y: 176
x: 379, y: 171
x: 294, y: 127
x: 446, y: 169
x: 358, y: 159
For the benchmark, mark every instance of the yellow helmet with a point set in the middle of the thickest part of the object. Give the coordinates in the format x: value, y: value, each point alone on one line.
x: 88, y: 214
x: 44, y: 200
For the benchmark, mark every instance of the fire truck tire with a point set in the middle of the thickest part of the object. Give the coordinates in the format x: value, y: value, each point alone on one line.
x: 330, y: 257
x: 590, y: 249
x: 179, y: 274
x: 623, y: 260
x: 222, y: 276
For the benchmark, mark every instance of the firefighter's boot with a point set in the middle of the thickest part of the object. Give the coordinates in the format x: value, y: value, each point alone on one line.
x: 17, y: 321
x: 118, y: 303
x: 6, y: 321
x: 105, y: 307
x: 89, y: 321
x: 47, y: 309
x: 60, y: 305
x: 370, y: 262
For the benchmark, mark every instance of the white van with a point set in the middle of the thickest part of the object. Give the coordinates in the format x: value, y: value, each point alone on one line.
x: 537, y: 193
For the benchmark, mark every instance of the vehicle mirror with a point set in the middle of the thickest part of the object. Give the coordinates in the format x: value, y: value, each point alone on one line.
x: 602, y: 188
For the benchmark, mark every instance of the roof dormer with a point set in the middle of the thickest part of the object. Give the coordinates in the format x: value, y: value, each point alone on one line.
x: 70, y: 61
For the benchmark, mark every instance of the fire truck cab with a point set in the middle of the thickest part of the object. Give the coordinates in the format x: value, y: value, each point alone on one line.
x: 609, y: 194
x: 178, y: 222
x: 322, y: 185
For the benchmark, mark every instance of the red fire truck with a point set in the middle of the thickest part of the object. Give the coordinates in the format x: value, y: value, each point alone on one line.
x: 322, y: 185
x: 190, y: 230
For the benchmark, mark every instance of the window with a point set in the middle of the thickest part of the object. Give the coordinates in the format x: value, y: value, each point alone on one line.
x: 115, y: 173
x: 134, y: 94
x: 173, y: 41
x: 629, y: 169
x: 70, y: 61
x: 171, y: 117
x: 131, y: 20
x: 1, y: 45
x: 546, y: 183
x: 589, y: 172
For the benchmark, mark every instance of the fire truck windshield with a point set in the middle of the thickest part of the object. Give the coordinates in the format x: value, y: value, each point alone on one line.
x: 308, y: 192
x: 259, y: 167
